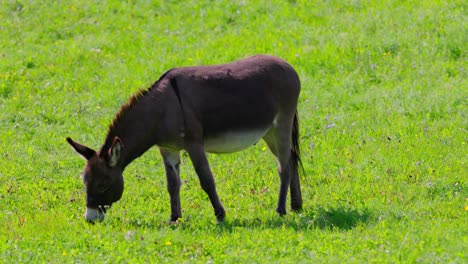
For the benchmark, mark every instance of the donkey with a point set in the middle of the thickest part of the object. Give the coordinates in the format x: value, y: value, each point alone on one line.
x: 216, y: 109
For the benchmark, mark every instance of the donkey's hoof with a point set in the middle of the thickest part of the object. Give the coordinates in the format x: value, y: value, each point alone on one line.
x: 175, y: 220
x: 296, y: 208
x: 220, y: 215
x: 220, y: 219
x: 296, y: 204
x: 281, y: 211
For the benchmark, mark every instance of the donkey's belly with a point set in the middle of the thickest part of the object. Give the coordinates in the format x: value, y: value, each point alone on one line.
x: 233, y: 141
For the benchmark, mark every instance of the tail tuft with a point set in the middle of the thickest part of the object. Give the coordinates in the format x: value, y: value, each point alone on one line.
x: 296, y: 152
x: 297, y: 167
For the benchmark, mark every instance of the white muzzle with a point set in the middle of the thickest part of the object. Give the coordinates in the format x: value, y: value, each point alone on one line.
x: 91, y: 215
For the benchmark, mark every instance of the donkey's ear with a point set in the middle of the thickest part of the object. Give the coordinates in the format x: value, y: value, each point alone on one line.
x: 114, y: 152
x: 84, y: 151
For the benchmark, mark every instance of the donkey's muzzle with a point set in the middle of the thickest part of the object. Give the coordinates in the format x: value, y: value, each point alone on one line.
x: 94, y: 214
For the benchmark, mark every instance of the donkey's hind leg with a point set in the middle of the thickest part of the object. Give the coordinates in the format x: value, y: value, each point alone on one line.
x: 278, y: 140
x: 294, y: 186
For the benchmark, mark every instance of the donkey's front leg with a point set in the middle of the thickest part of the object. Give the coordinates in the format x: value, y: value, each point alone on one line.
x: 200, y: 163
x: 171, y: 163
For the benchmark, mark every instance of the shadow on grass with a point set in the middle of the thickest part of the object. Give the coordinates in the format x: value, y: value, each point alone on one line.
x: 340, y: 218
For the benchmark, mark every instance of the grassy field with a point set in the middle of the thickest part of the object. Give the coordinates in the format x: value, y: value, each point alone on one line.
x: 384, y: 111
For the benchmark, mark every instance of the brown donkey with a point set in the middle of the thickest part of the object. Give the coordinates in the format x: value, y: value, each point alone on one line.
x: 217, y: 109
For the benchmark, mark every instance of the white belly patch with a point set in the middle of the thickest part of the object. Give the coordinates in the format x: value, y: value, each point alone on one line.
x: 233, y: 141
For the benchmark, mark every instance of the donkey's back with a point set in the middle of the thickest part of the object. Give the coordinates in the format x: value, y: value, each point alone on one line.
x: 237, y: 103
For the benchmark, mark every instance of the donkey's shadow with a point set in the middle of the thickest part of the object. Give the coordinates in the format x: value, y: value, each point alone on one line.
x: 334, y: 218
x: 340, y: 218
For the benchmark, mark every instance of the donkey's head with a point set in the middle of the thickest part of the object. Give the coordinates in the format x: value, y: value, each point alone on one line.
x: 102, y: 178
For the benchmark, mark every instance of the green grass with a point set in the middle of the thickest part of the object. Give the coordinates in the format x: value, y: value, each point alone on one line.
x: 383, y: 127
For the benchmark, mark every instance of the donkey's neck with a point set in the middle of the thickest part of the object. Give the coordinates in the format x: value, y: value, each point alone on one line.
x: 135, y: 124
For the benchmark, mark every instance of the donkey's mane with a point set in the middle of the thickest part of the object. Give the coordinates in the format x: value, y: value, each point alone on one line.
x: 127, y: 106
x: 124, y: 109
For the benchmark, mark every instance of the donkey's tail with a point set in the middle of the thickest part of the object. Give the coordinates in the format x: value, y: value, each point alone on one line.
x: 296, y: 151
x: 297, y: 167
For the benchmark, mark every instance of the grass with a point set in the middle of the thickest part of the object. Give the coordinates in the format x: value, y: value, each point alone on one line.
x: 383, y: 128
